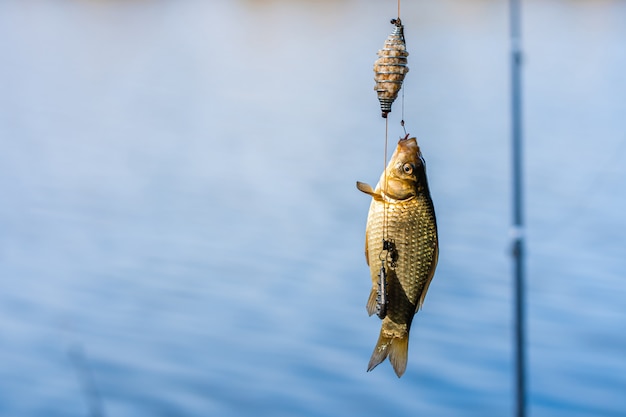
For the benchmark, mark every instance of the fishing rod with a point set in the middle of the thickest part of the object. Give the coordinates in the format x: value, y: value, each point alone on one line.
x: 518, y: 215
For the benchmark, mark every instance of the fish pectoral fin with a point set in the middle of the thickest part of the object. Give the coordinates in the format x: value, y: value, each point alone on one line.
x: 367, y: 189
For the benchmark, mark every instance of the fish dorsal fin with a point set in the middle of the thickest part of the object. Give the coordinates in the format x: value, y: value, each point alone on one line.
x: 367, y: 189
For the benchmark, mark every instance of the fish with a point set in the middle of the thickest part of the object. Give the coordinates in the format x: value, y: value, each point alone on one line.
x: 401, y: 249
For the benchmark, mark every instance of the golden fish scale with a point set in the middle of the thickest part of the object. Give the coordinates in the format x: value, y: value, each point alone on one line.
x: 411, y: 226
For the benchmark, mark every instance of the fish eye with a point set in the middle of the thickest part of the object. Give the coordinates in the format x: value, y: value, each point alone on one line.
x: 407, y: 168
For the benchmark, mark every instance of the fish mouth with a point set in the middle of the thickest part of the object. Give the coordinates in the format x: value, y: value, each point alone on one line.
x: 408, y: 149
x: 409, y: 144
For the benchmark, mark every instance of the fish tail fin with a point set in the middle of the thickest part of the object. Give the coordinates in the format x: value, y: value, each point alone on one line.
x: 397, y: 348
x: 399, y: 354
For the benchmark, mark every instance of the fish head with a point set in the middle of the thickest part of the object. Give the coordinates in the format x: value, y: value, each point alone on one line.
x: 403, y: 173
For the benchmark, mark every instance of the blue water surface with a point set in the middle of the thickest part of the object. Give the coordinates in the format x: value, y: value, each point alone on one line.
x: 180, y: 232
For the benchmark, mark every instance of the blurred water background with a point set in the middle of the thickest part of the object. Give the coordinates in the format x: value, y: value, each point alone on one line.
x: 180, y: 233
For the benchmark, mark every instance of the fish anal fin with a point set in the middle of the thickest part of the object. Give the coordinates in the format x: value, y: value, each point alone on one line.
x: 371, y: 302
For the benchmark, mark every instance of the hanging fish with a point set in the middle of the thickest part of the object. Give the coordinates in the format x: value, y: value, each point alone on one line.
x: 402, y: 232
x: 391, y: 67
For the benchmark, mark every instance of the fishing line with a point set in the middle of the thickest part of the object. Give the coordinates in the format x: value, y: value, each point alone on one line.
x: 402, y: 100
x: 385, y: 203
x: 381, y: 299
x: 387, y: 245
x: 390, y: 69
x: 402, y: 111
